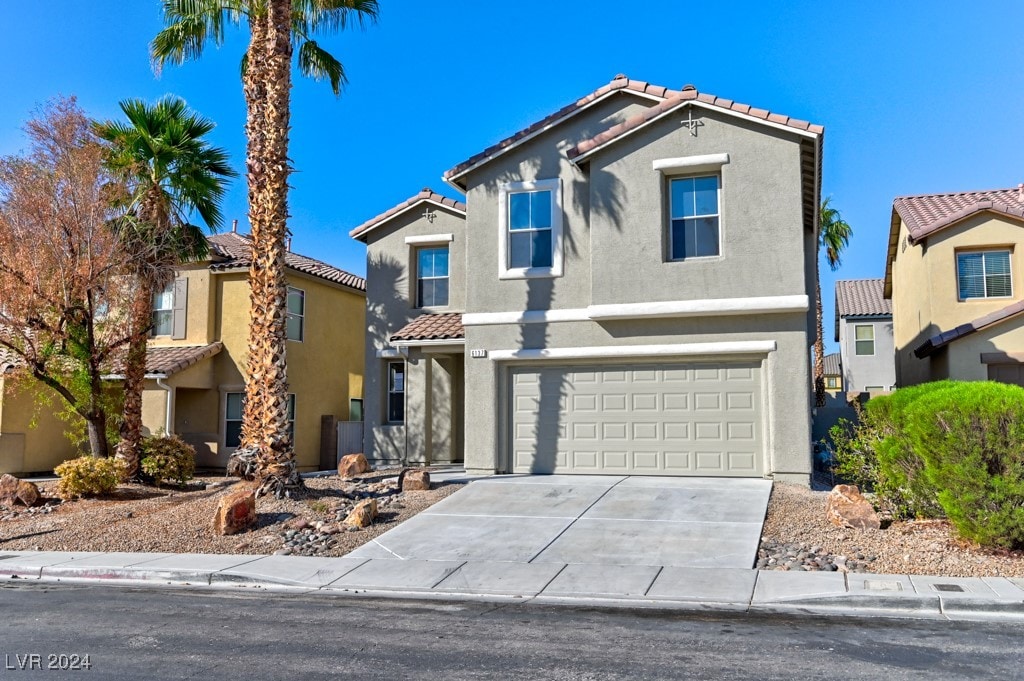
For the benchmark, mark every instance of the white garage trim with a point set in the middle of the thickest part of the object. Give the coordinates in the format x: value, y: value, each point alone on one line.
x: 678, y: 350
x: 713, y: 307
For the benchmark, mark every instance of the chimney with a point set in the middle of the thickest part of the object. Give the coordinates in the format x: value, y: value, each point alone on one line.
x: 288, y: 244
x: 234, y: 226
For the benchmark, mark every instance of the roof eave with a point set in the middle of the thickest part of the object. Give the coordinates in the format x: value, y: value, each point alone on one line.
x: 359, y: 233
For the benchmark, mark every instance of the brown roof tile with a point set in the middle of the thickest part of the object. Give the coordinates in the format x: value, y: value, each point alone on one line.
x: 689, y: 93
x: 444, y: 326
x: 928, y: 213
x: 832, y: 365
x: 234, y: 251
x: 170, y: 359
x: 426, y: 194
x: 620, y: 82
x: 861, y: 297
x: 946, y: 337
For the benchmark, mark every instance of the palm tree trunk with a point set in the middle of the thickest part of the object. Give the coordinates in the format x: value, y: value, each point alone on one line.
x: 129, y: 448
x: 819, y: 342
x: 265, y: 419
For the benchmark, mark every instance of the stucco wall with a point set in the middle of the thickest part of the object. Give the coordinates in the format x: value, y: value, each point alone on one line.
x: 861, y: 371
x: 925, y: 296
x: 31, y: 438
x: 760, y: 208
x: 391, y: 304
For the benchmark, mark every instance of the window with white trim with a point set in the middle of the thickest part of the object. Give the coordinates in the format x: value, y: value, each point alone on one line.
x: 233, y: 407
x: 163, y: 311
x: 864, y: 339
x: 832, y: 382
x: 296, y: 322
x: 984, y: 274
x: 432, y: 276
x: 396, y: 392
x: 530, y: 220
x: 694, y: 217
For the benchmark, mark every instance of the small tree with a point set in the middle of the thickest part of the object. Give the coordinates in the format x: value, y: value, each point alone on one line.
x: 59, y: 265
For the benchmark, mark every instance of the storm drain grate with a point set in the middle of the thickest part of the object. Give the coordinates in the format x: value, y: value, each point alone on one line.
x: 882, y: 585
x: 947, y: 587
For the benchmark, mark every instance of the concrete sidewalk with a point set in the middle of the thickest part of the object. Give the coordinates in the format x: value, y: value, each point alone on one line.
x: 706, y: 589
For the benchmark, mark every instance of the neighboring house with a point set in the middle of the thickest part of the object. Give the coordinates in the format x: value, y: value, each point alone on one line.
x: 626, y: 290
x: 833, y: 373
x: 865, y: 336
x: 196, y: 361
x: 953, y: 272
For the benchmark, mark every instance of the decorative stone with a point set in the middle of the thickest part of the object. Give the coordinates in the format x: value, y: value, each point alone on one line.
x: 235, y: 512
x: 296, y: 523
x: 363, y: 514
x: 13, y: 490
x: 352, y: 465
x: 414, y: 479
x: 847, y: 507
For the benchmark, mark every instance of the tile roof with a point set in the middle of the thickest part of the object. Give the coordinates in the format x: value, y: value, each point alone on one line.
x: 832, y: 364
x: 945, y: 338
x: 688, y: 95
x: 444, y: 326
x: 170, y: 359
x: 233, y: 249
x: 861, y: 297
x: 928, y: 213
x: 426, y: 194
x: 619, y: 83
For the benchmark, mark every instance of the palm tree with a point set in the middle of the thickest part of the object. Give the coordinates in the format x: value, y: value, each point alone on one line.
x: 833, y: 235
x: 278, y: 30
x: 171, y: 171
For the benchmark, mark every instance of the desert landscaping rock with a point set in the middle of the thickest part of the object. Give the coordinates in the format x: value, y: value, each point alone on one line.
x: 14, y: 491
x: 236, y: 512
x: 352, y: 465
x: 414, y: 479
x: 798, y: 536
x: 363, y: 514
x: 847, y: 507
x: 138, y: 518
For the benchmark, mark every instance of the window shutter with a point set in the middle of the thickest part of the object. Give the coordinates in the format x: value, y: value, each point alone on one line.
x: 180, y: 307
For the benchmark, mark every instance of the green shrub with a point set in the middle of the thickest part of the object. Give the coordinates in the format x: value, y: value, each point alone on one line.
x: 168, y: 458
x: 971, y: 439
x: 88, y: 476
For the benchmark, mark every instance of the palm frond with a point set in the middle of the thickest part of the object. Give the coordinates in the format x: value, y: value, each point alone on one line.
x: 833, y: 233
x: 319, y: 64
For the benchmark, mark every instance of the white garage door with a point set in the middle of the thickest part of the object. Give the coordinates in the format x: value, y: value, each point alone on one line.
x: 643, y: 419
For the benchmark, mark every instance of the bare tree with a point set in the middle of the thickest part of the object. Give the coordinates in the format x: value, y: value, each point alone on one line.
x: 60, y: 289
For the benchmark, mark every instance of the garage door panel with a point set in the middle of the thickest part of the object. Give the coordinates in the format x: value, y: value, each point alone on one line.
x: 653, y: 419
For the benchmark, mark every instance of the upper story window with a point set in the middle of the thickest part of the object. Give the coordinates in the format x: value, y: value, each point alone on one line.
x: 530, y: 229
x: 296, y: 322
x: 864, y: 339
x: 693, y: 232
x: 832, y: 382
x: 163, y: 311
x: 984, y: 274
x: 396, y: 392
x: 432, y: 276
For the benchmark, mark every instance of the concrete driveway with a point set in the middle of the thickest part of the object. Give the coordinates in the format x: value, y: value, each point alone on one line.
x: 587, y: 520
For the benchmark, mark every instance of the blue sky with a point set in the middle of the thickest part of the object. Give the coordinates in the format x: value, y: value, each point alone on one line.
x: 916, y: 97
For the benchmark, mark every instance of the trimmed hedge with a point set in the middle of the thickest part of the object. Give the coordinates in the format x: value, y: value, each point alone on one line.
x: 88, y: 476
x: 168, y: 458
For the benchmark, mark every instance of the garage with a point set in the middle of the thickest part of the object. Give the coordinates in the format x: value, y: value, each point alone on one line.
x: 694, y: 418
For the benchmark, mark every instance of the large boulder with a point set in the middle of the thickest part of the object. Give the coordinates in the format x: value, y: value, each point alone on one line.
x: 352, y: 465
x: 413, y: 479
x: 236, y: 511
x: 14, y: 491
x: 847, y: 507
x: 363, y: 513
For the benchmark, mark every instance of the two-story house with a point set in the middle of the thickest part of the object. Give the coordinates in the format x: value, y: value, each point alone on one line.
x: 953, y: 275
x: 627, y: 289
x: 865, y: 336
x: 195, y: 363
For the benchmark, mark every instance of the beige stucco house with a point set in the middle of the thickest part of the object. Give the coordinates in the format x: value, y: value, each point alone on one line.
x: 626, y: 288
x: 954, y: 273
x: 195, y: 363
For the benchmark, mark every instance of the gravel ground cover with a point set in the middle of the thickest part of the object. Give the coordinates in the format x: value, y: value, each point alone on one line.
x: 797, y: 536
x: 138, y: 518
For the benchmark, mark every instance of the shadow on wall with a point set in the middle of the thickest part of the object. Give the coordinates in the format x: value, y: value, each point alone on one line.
x: 389, y: 310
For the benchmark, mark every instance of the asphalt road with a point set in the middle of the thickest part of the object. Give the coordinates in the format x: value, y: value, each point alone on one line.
x: 179, y: 634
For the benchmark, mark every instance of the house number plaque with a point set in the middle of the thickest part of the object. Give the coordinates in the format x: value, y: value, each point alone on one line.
x: 478, y: 353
